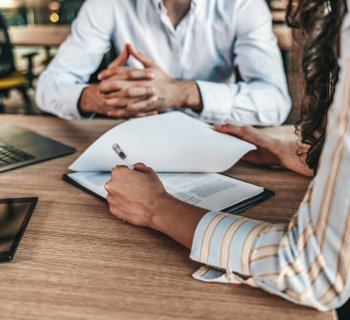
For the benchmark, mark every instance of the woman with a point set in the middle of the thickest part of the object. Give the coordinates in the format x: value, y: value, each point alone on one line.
x: 306, y: 261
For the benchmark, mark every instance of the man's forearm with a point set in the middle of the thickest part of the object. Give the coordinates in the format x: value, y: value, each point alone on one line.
x: 189, y: 95
x: 87, y: 101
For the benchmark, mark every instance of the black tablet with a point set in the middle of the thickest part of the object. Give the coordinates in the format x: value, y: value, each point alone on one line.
x: 14, y: 217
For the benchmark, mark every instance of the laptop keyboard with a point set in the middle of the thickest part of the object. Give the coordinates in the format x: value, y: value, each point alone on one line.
x: 9, y: 155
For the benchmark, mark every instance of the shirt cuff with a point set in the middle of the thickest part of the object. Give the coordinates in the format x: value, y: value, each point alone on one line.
x: 217, y: 101
x: 225, y: 242
x: 208, y: 274
x: 72, y: 97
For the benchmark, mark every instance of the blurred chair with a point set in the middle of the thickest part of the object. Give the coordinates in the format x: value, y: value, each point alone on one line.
x: 10, y: 77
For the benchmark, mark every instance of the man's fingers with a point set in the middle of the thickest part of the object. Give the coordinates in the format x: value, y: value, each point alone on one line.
x: 122, y: 58
x: 129, y: 95
x: 125, y: 54
x: 144, y: 105
x: 147, y: 62
x: 119, y: 113
x: 126, y: 88
x: 117, y: 102
x: 109, y: 86
x: 145, y: 114
x: 125, y: 73
x: 135, y: 74
x: 139, y: 92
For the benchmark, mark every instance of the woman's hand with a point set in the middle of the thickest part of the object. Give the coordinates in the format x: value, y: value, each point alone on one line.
x: 133, y: 195
x: 281, y: 149
x: 268, y: 148
x: 138, y: 197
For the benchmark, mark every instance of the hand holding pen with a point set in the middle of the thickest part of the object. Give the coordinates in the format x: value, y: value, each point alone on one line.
x: 122, y: 155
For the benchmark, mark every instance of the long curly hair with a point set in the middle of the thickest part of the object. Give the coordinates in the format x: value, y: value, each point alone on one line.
x: 320, y: 22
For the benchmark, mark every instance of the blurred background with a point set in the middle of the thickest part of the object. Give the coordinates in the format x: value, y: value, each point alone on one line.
x: 23, y: 12
x: 36, y: 28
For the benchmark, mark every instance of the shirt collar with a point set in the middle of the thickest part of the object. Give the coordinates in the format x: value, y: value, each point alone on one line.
x: 195, y: 4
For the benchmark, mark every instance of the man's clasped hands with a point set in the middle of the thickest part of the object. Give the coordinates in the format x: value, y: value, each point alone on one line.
x: 125, y: 92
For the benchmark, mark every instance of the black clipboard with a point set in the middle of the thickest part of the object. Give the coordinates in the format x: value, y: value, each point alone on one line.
x: 234, y: 209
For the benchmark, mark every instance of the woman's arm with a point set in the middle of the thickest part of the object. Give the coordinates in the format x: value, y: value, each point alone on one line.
x: 138, y: 197
x: 305, y: 261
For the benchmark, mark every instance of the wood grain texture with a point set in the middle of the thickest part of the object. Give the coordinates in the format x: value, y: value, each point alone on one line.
x: 38, y: 35
x: 77, y: 262
x: 53, y: 36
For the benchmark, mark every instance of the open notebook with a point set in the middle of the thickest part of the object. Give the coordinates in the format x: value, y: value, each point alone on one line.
x: 187, y: 155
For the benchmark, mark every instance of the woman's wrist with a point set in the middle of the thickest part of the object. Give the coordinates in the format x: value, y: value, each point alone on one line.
x: 162, y: 203
x: 289, y: 154
x: 176, y: 219
x: 280, y: 147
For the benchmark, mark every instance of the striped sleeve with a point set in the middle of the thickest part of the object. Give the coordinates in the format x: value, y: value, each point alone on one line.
x: 307, y: 260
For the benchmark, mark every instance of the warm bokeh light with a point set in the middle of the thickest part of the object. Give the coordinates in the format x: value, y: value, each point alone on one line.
x: 54, y: 6
x: 9, y: 3
x: 54, y: 17
x: 6, y: 2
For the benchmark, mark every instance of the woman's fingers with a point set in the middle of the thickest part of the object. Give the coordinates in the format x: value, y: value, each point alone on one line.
x: 246, y: 133
x: 141, y: 167
x: 252, y: 157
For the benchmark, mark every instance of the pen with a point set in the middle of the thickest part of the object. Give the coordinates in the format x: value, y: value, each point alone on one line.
x: 121, y: 154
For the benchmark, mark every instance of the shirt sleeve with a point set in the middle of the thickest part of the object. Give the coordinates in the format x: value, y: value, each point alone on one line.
x: 61, y: 84
x: 261, y: 98
x: 306, y: 261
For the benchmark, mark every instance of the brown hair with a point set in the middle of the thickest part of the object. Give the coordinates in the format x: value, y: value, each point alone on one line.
x: 320, y: 22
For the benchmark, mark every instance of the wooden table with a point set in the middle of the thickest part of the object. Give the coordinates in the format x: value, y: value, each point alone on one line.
x: 77, y: 262
x: 38, y: 35
x: 53, y: 36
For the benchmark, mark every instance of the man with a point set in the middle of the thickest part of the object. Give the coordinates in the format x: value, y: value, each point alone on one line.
x: 184, y: 54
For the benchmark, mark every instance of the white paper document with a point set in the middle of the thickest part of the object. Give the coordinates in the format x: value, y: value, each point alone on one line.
x: 170, y: 142
x: 211, y: 191
x: 185, y: 152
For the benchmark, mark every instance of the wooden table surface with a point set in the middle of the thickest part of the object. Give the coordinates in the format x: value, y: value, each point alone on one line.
x: 53, y: 36
x: 77, y: 262
x: 38, y: 35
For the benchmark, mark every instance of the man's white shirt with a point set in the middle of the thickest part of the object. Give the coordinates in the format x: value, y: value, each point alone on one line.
x: 214, y: 39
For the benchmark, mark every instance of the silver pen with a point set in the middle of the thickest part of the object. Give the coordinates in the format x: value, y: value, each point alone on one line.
x: 122, y: 155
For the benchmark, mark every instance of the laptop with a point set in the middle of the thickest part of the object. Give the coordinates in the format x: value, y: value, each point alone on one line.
x: 21, y: 147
